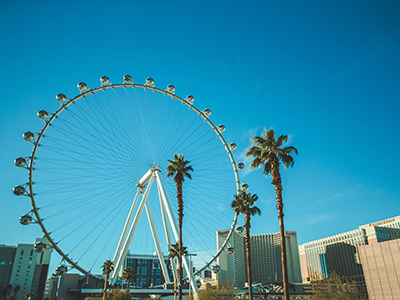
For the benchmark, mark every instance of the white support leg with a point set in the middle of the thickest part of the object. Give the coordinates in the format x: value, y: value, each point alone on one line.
x: 127, y: 223
x: 166, y: 227
x: 128, y: 241
x: 167, y: 206
x: 157, y: 244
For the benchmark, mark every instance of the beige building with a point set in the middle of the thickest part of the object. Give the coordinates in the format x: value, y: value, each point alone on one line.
x: 381, y: 265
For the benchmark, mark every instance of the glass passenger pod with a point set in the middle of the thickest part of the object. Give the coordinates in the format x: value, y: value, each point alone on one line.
x: 40, y: 247
x: 28, y: 136
x: 25, y: 219
x: 42, y: 114
x: 20, y: 162
x: 19, y: 190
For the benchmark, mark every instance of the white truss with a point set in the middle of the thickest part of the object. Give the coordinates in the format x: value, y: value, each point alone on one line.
x: 169, y: 221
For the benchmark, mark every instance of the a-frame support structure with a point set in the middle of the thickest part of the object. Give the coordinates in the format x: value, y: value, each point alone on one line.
x: 169, y: 221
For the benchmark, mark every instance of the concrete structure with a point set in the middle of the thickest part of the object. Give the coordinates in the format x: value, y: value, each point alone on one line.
x: 29, y: 268
x: 69, y: 286
x: 266, y: 263
x: 381, y: 266
x: 340, y: 253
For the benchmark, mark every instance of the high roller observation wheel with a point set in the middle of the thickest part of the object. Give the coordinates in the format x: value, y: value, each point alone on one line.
x: 64, y: 167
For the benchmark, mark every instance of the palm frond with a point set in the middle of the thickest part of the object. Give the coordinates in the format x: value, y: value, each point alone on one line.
x: 174, y: 251
x: 287, y: 161
x: 267, y: 168
x: 281, y: 140
x: 254, y: 211
x: 256, y: 163
x: 254, y: 151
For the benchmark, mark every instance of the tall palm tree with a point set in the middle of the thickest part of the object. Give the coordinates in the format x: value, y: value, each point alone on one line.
x: 172, y: 253
x: 128, y: 274
x: 108, y: 267
x: 180, y: 169
x: 269, y: 153
x: 243, y: 203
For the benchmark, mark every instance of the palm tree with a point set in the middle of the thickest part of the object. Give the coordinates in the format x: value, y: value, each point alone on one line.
x: 179, y: 169
x: 108, y: 267
x: 128, y: 274
x: 16, y: 290
x: 29, y: 295
x: 268, y: 152
x: 172, y: 253
x: 243, y: 203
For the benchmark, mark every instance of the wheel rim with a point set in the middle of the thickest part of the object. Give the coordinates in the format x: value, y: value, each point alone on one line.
x: 40, y: 163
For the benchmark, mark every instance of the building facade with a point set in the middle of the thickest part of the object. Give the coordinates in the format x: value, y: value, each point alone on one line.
x: 381, y: 266
x: 25, y: 269
x: 341, y: 253
x: 147, y: 270
x: 266, y: 263
x: 7, y: 255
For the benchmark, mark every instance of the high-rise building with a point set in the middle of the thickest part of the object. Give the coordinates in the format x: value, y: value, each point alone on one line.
x: 7, y: 255
x: 266, y: 263
x: 24, y: 269
x: 341, y: 253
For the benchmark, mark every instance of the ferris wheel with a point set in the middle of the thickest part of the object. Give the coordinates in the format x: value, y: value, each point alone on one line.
x: 92, y: 168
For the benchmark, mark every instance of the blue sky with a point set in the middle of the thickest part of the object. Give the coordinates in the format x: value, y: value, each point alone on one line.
x: 326, y: 73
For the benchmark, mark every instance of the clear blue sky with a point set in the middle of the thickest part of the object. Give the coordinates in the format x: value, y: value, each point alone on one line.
x: 326, y: 73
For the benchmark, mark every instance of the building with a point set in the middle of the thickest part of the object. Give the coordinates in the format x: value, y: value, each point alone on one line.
x: 50, y: 288
x: 7, y: 255
x: 266, y: 263
x: 147, y: 270
x: 24, y: 270
x: 341, y: 253
x: 381, y: 266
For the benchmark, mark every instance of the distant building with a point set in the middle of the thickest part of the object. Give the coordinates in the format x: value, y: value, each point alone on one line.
x: 266, y: 263
x: 340, y: 253
x: 24, y: 270
x: 7, y: 255
x: 147, y: 270
x: 50, y: 288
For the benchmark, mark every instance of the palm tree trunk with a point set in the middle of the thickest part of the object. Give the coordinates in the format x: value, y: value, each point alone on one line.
x: 127, y: 288
x: 180, y: 223
x: 277, y: 182
x: 247, y: 241
x: 105, y: 287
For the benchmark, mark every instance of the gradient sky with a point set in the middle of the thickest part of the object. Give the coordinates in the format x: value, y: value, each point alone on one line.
x: 326, y: 73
